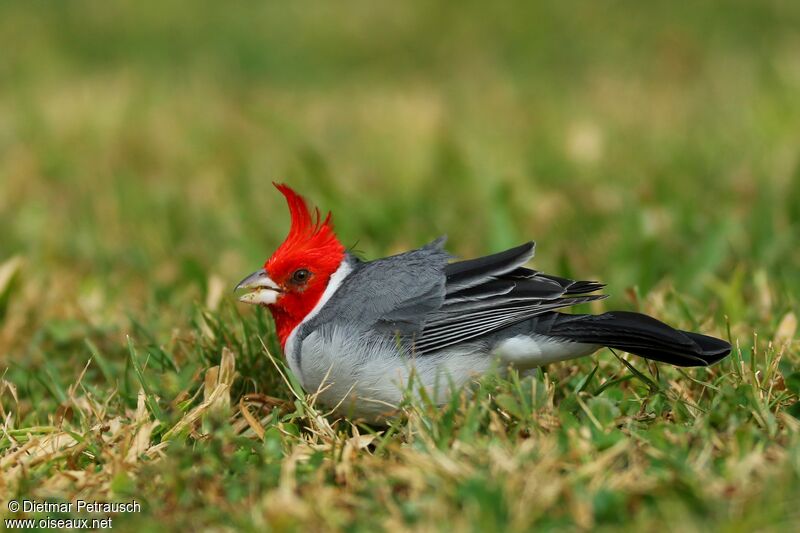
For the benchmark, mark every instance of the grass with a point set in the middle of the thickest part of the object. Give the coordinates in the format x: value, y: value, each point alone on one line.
x: 654, y: 148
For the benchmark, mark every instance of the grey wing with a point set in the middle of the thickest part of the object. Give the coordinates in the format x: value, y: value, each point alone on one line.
x: 489, y: 293
x: 394, y: 294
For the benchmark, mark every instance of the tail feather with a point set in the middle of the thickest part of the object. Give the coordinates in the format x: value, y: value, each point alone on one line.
x: 643, y: 336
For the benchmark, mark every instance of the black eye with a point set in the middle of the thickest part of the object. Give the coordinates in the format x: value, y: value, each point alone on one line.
x: 301, y: 276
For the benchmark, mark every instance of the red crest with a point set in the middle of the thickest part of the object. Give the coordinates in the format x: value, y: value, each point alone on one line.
x: 312, y: 245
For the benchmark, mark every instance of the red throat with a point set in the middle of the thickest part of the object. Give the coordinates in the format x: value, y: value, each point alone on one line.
x: 310, y: 245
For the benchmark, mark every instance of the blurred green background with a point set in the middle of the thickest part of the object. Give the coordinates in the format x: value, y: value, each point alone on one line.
x: 654, y: 146
x: 638, y: 143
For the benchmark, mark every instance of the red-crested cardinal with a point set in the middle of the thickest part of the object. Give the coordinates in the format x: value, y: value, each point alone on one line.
x: 353, y: 330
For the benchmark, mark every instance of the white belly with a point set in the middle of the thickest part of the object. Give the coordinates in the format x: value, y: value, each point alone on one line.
x: 368, y: 377
x: 531, y: 351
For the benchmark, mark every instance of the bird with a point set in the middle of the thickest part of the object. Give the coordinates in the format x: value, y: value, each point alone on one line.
x: 356, y: 333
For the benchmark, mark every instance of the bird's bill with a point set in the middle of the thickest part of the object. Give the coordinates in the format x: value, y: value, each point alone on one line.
x: 262, y: 290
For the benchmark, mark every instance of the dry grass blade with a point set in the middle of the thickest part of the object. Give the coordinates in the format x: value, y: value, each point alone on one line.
x: 254, y: 424
x: 216, y: 395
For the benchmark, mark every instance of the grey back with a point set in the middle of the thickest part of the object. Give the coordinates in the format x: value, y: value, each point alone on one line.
x: 393, y: 294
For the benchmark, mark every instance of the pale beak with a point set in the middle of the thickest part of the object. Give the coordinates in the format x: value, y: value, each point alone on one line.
x: 263, y: 290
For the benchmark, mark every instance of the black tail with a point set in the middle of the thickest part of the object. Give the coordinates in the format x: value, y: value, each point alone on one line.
x: 643, y: 336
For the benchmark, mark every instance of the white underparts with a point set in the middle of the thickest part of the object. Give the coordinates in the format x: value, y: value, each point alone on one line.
x: 334, y: 283
x: 366, y: 376
x: 530, y: 351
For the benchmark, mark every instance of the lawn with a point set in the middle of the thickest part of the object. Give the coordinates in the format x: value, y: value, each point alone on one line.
x: 655, y: 147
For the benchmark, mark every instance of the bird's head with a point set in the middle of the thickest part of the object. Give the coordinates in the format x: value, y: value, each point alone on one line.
x: 293, y: 280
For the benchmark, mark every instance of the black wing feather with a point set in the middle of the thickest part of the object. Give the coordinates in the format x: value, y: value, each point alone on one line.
x: 465, y: 274
x: 489, y: 293
x: 437, y: 336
